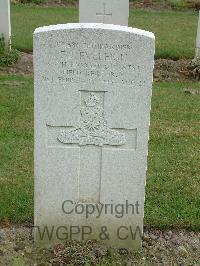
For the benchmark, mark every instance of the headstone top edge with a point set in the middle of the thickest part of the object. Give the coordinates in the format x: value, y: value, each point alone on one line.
x: 113, y: 27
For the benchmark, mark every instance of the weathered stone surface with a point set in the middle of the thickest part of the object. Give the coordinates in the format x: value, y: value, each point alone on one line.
x: 197, y: 51
x: 104, y: 11
x: 92, y: 114
x: 5, y: 27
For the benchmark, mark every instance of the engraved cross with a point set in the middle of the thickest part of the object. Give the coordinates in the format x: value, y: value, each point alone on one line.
x: 104, y: 15
x: 92, y: 135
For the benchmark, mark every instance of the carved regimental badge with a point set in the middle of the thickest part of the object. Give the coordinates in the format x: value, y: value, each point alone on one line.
x: 93, y: 128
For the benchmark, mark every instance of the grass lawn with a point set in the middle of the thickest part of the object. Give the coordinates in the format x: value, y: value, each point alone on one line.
x: 175, y: 30
x: 172, y: 193
x: 16, y: 149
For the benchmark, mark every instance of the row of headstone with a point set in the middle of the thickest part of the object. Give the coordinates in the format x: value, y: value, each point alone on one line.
x: 90, y: 11
x: 5, y: 26
x: 93, y: 86
x: 92, y: 115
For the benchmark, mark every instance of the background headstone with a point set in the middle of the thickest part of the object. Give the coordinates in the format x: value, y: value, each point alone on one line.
x: 104, y: 11
x: 197, y: 52
x: 92, y: 115
x: 5, y: 27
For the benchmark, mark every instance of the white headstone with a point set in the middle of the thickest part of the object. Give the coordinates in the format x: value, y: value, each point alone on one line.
x: 5, y: 27
x: 197, y: 52
x: 104, y: 11
x: 93, y: 85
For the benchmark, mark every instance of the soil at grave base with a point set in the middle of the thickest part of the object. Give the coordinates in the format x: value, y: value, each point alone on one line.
x: 24, y: 66
x: 163, y: 247
x: 165, y: 69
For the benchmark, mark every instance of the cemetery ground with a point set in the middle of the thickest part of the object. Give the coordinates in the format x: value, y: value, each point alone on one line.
x: 175, y: 31
x: 172, y: 203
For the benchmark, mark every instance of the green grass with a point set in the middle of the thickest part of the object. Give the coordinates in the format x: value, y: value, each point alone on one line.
x: 25, y: 19
x: 175, y: 30
x: 16, y: 149
x: 172, y: 192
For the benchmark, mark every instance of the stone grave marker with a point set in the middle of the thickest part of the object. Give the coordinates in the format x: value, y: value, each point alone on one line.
x: 104, y: 11
x: 93, y: 85
x: 197, y: 51
x: 5, y: 27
